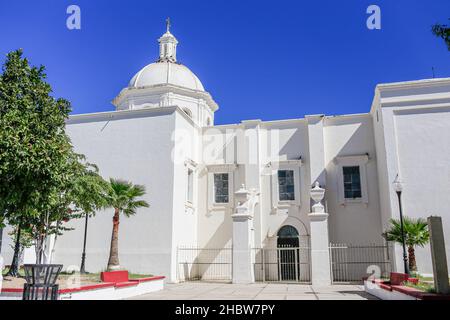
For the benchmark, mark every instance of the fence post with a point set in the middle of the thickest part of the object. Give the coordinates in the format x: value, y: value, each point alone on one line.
x: 178, y: 264
x: 263, y: 265
x: 331, y: 261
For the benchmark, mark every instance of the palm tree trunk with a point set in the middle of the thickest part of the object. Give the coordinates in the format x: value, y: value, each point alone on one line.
x: 113, y: 263
x: 412, y: 259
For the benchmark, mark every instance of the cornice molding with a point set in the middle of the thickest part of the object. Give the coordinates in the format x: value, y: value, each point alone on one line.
x: 424, y: 83
x: 352, y: 159
x: 277, y: 163
x: 162, y: 89
x: 225, y: 167
x: 108, y: 115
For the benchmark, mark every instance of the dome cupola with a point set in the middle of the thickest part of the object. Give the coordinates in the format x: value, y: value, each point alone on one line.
x: 167, y: 45
x: 166, y: 82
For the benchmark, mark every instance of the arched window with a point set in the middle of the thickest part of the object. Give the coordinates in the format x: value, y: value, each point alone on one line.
x: 287, y: 237
x: 188, y: 112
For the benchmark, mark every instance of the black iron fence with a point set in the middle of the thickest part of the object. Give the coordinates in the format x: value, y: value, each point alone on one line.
x: 283, y: 264
x: 208, y: 264
x: 351, y: 263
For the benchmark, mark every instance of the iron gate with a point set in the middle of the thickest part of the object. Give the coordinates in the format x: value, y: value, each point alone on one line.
x: 284, y: 264
x: 351, y: 263
x: 213, y: 264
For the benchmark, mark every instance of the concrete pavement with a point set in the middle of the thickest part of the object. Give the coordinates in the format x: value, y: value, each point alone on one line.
x: 256, y: 291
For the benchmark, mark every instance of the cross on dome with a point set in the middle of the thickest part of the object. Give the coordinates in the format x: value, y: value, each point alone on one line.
x: 167, y: 45
x: 168, y: 24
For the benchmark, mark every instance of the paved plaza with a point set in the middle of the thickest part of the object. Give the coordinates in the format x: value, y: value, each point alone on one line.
x: 256, y: 291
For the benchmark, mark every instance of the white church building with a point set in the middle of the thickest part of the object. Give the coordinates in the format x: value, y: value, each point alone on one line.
x: 302, y: 199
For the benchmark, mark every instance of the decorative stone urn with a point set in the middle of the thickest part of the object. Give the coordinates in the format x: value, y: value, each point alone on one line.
x: 242, y: 197
x: 317, y: 194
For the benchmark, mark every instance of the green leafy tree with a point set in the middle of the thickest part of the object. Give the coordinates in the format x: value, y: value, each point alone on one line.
x: 442, y: 31
x: 37, y: 160
x: 48, y: 217
x: 89, y: 192
x: 81, y: 195
x: 123, y: 197
x: 89, y: 196
x: 416, y: 234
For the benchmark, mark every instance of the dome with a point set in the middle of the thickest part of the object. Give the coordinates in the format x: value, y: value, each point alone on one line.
x: 168, y: 83
x: 165, y: 72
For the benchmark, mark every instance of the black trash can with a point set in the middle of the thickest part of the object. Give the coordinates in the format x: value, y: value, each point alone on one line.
x: 41, y: 281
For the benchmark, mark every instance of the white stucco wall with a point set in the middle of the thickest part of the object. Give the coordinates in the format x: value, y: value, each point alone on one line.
x: 137, y: 147
x: 284, y: 141
x: 257, y: 148
x: 352, y: 222
x: 214, y: 222
x: 412, y: 133
x: 185, y: 216
x: 6, y: 246
x: 423, y: 142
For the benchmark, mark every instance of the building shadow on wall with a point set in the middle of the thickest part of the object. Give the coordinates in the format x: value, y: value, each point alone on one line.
x: 210, y: 262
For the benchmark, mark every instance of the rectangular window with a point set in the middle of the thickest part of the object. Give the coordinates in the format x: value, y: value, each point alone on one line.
x: 190, y: 186
x: 286, y: 190
x: 352, y: 182
x: 221, y: 188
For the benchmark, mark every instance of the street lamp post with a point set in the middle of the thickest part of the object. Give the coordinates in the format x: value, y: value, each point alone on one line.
x: 398, y: 189
x: 83, y: 255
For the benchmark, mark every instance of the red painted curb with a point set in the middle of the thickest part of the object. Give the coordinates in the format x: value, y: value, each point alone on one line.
x: 87, y: 287
x: 131, y: 282
x: 12, y: 290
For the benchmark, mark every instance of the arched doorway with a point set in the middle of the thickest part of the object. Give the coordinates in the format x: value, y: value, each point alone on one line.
x: 288, y: 253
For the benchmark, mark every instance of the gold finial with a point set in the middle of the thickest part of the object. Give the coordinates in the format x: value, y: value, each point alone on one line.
x: 168, y: 24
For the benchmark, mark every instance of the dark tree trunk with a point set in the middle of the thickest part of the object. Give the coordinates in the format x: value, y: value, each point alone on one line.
x: 412, y: 259
x: 14, y: 269
x: 113, y: 263
x: 83, y: 254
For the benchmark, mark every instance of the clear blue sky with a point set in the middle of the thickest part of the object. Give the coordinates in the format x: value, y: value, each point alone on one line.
x: 259, y: 59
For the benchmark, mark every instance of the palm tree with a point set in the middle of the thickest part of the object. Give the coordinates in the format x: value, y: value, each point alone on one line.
x: 442, y: 31
x: 122, y: 196
x: 416, y: 234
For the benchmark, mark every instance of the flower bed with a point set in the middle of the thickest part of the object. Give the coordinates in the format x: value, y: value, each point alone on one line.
x: 395, y: 289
